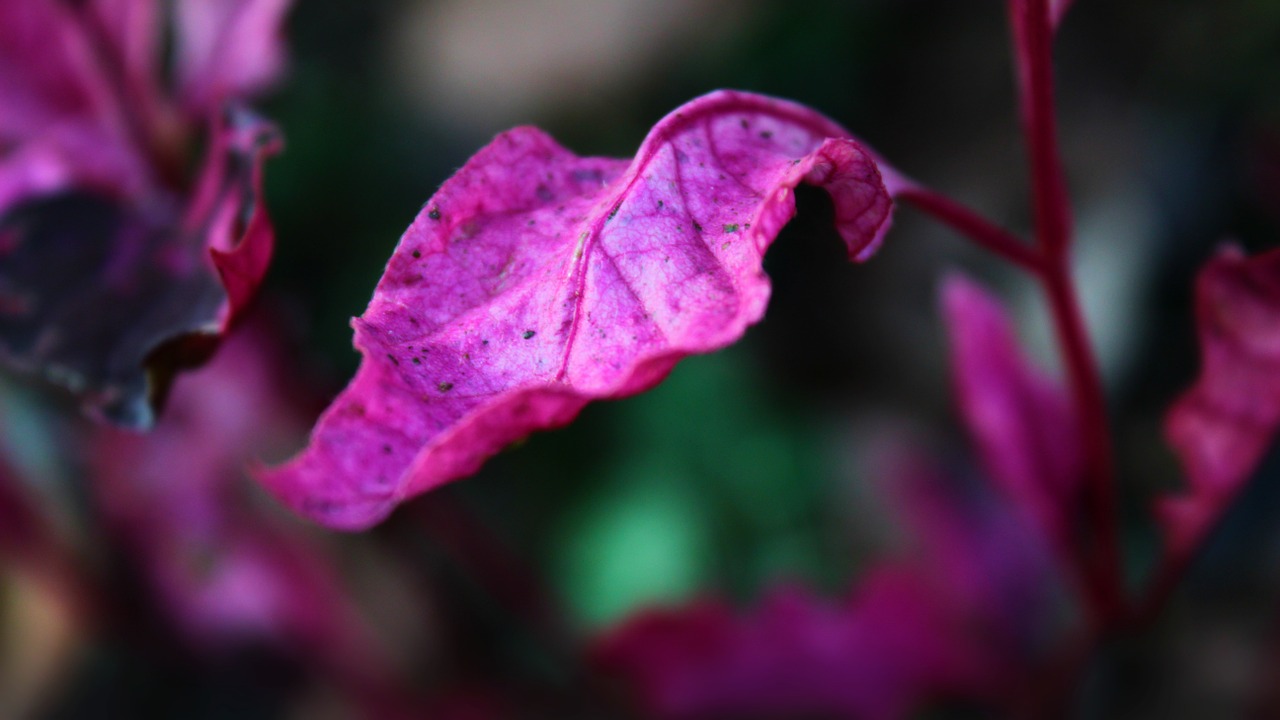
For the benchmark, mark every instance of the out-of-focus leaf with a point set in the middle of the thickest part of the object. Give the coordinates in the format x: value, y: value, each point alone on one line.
x: 116, y: 269
x: 535, y: 281
x: 1021, y: 421
x: 994, y: 569
x: 1222, y: 426
x: 228, y: 567
x: 107, y: 298
x: 227, y: 49
x: 882, y: 654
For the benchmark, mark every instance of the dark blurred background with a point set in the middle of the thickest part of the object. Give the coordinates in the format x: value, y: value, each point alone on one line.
x: 743, y: 468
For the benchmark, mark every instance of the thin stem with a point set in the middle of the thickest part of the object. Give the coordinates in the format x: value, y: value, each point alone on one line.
x: 973, y: 226
x: 1033, y: 39
x: 1033, y: 52
x: 1086, y: 387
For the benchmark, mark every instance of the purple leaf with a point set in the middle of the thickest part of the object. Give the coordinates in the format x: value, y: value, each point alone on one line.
x: 1021, y: 421
x: 110, y: 298
x: 118, y: 268
x: 881, y: 655
x: 1222, y: 426
x: 535, y: 281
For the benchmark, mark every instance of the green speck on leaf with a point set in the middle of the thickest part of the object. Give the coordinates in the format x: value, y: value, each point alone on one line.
x: 529, y: 333
x: 731, y: 228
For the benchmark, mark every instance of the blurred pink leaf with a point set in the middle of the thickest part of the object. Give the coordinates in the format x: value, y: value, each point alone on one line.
x: 993, y: 571
x: 882, y: 654
x: 1058, y: 10
x: 536, y: 281
x: 1222, y: 426
x: 228, y: 566
x: 1021, y: 421
x: 228, y: 48
x: 117, y: 266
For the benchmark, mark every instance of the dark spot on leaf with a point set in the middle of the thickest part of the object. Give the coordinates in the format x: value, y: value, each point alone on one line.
x: 484, y: 342
x: 416, y: 361
x: 393, y: 359
x: 659, y: 204
x: 529, y: 333
x: 416, y: 254
x: 697, y: 226
x: 766, y: 134
x: 445, y: 386
x: 434, y: 214
x: 744, y: 123
x: 731, y: 228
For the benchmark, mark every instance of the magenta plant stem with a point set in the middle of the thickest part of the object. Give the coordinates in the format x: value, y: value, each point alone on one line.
x: 973, y: 226
x: 1032, y: 36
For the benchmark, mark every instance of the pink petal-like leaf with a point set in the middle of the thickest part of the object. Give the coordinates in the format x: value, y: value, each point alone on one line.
x: 535, y: 281
x: 48, y: 70
x: 1222, y: 426
x: 228, y: 48
x: 886, y: 651
x: 60, y: 121
x: 1021, y: 421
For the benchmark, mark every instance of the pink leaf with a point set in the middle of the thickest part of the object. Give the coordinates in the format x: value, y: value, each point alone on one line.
x: 228, y: 48
x: 1058, y: 10
x: 535, y: 281
x: 1020, y: 420
x: 989, y: 568
x: 48, y: 70
x: 226, y: 567
x: 879, y: 656
x: 1222, y: 426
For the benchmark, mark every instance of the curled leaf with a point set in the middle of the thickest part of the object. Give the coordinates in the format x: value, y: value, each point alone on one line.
x: 1223, y: 425
x: 535, y: 281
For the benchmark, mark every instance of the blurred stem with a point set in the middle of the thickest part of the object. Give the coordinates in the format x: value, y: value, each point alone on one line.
x: 1033, y: 54
x: 973, y: 226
